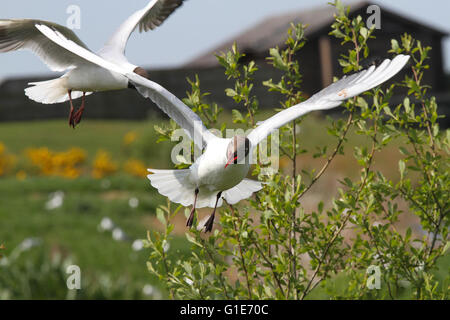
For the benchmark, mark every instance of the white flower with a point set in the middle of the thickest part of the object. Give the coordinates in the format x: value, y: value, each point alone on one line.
x: 55, y: 200
x: 118, y: 234
x: 148, y: 290
x: 166, y: 246
x: 4, y: 262
x: 29, y: 243
x: 376, y: 224
x: 189, y: 281
x: 133, y: 203
x: 106, y: 224
x: 138, y: 245
x: 420, y: 266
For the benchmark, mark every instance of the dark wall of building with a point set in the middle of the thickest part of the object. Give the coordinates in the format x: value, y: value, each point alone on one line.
x: 379, y: 48
x: 129, y: 104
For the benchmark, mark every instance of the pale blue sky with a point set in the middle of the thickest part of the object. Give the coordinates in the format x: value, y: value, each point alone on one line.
x: 198, y: 26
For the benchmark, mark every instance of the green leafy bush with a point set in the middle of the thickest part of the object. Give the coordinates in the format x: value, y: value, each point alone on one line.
x: 272, y: 247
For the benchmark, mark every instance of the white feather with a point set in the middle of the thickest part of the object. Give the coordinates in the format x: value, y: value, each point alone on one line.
x: 148, y: 18
x: 242, y: 191
x: 331, y: 96
x: 51, y: 91
x: 18, y: 34
x: 173, y: 184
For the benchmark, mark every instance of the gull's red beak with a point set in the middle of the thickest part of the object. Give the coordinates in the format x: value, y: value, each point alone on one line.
x: 230, y: 161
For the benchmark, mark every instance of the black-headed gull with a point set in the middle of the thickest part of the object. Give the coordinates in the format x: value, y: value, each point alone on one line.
x: 82, y: 77
x: 220, y: 172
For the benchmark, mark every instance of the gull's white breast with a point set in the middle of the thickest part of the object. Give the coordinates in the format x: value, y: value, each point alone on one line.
x: 209, y: 170
x: 92, y: 78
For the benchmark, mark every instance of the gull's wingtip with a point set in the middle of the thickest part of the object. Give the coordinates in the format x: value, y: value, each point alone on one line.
x: 40, y: 26
x: 45, y: 30
x: 400, y: 61
x: 403, y: 58
x: 407, y: 57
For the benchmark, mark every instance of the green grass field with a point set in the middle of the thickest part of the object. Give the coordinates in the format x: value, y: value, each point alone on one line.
x: 72, y: 230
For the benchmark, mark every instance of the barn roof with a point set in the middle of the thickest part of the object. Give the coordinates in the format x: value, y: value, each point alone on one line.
x: 271, y: 32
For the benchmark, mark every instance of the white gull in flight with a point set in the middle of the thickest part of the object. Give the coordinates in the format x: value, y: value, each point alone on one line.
x: 82, y: 77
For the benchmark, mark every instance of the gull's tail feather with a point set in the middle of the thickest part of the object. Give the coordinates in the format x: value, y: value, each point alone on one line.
x: 51, y: 91
x: 173, y: 184
x: 47, y: 92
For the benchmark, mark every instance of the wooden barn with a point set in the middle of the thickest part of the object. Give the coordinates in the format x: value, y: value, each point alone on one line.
x: 318, y: 61
x: 319, y: 57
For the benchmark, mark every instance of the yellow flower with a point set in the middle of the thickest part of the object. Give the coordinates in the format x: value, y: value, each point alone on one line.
x: 103, y: 165
x: 135, y: 168
x: 7, y: 161
x: 129, y: 138
x: 64, y: 164
x: 21, y: 175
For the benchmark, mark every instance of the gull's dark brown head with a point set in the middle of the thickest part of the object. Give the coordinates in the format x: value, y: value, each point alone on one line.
x: 238, y: 150
x: 140, y: 71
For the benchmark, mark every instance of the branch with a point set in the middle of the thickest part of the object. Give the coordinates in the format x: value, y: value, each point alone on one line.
x: 277, y: 280
x: 344, y: 222
x: 215, y: 267
x: 244, y: 268
x: 330, y: 158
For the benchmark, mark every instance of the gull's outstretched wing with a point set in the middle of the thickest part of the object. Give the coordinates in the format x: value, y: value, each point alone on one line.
x: 148, y: 18
x: 331, y: 96
x: 166, y: 101
x: 174, y: 108
x: 17, y: 34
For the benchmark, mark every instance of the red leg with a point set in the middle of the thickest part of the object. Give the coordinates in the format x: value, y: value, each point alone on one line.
x: 79, y: 113
x: 209, y: 224
x: 71, y: 124
x: 191, y: 216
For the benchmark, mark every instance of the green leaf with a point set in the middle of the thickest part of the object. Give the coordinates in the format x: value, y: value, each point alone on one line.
x: 230, y: 92
x: 337, y: 33
x: 277, y: 60
x: 401, y: 166
x: 364, y: 33
x: 395, y: 46
x: 406, y: 105
x: 160, y: 216
x: 192, y: 240
x: 237, y: 116
x: 446, y: 247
